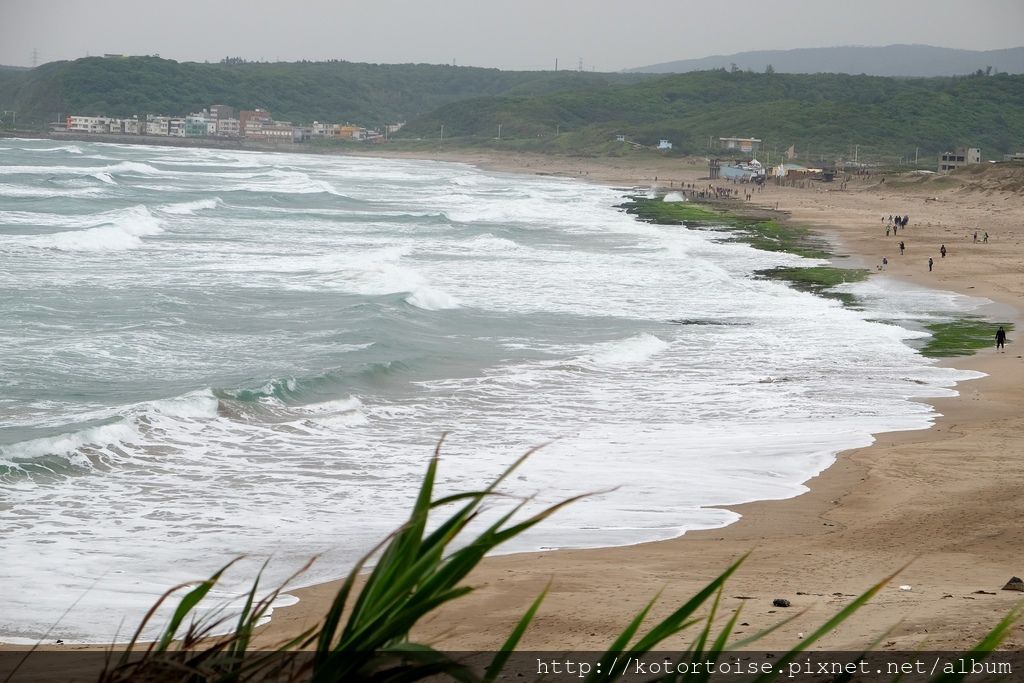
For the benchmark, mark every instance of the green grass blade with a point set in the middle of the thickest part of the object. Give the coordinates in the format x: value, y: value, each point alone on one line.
x: 829, y: 625
x: 187, y: 604
x: 673, y: 623
x: 501, y: 657
x: 989, y: 643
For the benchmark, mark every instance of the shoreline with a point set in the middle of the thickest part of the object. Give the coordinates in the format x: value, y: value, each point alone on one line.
x: 842, y: 521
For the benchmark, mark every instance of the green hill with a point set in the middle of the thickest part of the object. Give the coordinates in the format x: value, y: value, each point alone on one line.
x: 367, y: 94
x: 826, y: 114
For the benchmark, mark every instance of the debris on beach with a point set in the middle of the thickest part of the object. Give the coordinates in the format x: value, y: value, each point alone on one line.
x: 906, y: 587
x: 1014, y: 584
x: 780, y: 602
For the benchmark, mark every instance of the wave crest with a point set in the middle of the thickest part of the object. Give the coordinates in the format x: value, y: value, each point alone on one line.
x: 119, y: 231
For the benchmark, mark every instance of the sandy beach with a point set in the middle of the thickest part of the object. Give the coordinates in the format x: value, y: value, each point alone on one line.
x: 944, y: 501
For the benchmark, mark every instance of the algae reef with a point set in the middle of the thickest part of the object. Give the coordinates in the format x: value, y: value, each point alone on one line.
x: 961, y: 337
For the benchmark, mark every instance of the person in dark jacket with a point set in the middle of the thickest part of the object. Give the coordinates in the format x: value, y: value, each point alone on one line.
x: 1001, y: 339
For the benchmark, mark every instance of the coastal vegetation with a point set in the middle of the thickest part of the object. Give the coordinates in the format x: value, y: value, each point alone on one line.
x: 365, y: 632
x: 819, y: 280
x: 961, y: 337
x: 759, y: 231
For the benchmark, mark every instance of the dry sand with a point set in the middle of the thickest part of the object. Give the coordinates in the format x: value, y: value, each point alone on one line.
x: 946, y: 500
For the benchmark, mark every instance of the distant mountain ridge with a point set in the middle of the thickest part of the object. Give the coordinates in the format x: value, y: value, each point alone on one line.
x: 891, y: 60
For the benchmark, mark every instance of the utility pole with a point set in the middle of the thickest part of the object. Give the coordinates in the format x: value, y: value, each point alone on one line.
x: 442, y: 132
x: 499, y: 131
x: 581, y: 63
x: 558, y: 128
x: 856, y: 152
x: 556, y: 63
x: 916, y: 150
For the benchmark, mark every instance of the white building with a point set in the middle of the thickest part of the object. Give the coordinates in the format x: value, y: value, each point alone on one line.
x: 88, y: 124
x: 157, y: 125
x: 961, y: 156
x: 664, y: 144
x: 228, y: 127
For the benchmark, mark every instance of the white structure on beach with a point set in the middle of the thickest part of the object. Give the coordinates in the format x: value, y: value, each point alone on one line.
x: 961, y: 156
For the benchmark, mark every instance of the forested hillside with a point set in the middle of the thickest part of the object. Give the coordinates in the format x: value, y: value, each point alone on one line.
x: 822, y: 113
x: 366, y: 94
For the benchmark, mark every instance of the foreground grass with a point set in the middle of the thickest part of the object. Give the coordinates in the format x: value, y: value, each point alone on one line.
x: 961, y: 337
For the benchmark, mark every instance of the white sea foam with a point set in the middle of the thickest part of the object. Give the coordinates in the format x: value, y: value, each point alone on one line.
x: 431, y: 299
x: 197, y: 404
x: 188, y: 208
x: 342, y: 405
x: 674, y: 197
x: 104, y: 177
x: 633, y: 350
x: 15, y: 191
x: 118, y: 231
x: 71, y: 444
x: 488, y: 242
x: 70, y: 149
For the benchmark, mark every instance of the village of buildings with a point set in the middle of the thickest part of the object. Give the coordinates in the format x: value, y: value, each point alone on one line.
x: 219, y: 121
x: 947, y: 162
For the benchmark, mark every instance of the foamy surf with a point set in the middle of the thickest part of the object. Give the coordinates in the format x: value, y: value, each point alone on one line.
x: 345, y: 311
x: 117, y: 231
x: 189, y: 208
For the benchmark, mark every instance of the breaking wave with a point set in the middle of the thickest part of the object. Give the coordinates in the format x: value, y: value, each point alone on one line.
x: 118, y: 231
x: 189, y: 208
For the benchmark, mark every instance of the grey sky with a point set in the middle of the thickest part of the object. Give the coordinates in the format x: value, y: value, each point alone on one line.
x: 520, y: 34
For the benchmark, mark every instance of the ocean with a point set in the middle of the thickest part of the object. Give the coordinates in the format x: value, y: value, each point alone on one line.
x: 207, y: 354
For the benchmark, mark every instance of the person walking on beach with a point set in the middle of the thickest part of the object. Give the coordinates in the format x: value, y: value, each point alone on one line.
x: 975, y: 236
x: 902, y: 247
x: 930, y: 263
x: 984, y: 239
x: 885, y: 263
x: 1001, y: 339
x: 887, y: 230
x: 942, y: 250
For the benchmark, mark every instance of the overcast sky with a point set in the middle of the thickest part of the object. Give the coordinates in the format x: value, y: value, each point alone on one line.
x: 518, y: 34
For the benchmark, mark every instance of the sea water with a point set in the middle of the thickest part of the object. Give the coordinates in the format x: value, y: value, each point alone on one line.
x: 207, y: 354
